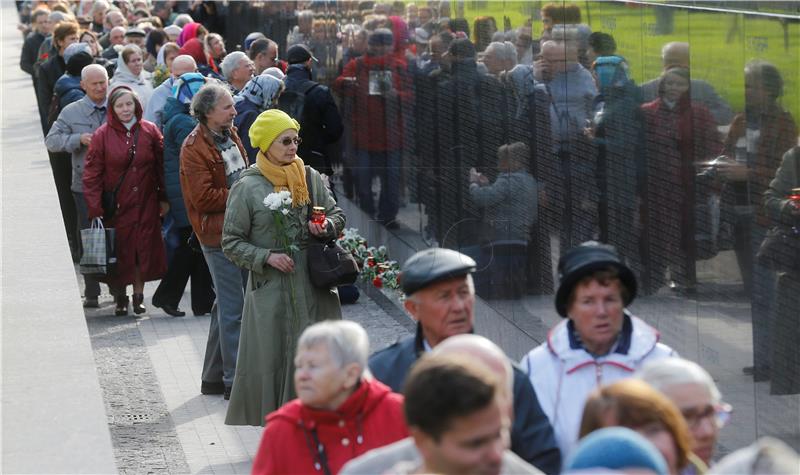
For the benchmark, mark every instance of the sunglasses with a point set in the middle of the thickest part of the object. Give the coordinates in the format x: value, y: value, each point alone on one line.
x: 286, y: 141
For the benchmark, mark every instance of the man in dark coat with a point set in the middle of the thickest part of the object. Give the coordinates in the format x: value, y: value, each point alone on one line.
x: 64, y: 35
x: 320, y: 122
x: 41, y: 26
x: 440, y: 296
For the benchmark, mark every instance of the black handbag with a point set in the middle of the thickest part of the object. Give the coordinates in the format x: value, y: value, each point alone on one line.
x: 329, y: 265
x: 109, y: 198
x: 780, y: 250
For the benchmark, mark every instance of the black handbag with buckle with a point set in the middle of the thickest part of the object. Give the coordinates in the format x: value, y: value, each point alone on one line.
x: 329, y: 265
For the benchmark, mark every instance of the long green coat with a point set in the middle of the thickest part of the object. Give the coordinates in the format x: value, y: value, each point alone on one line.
x: 265, y: 366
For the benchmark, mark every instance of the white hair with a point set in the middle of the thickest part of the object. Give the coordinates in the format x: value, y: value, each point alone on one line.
x: 347, y: 341
x: 505, y: 50
x: 667, y: 372
x: 230, y: 63
x: 99, y: 5
x: 93, y: 67
x: 182, y: 20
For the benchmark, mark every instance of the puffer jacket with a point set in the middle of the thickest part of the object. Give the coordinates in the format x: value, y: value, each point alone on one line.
x: 563, y: 373
x: 370, y: 418
x: 204, y: 185
x: 178, y: 126
x: 68, y: 89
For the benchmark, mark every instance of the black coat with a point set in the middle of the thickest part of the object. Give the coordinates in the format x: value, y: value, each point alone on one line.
x: 321, y: 125
x: 532, y: 435
x: 30, y: 52
x: 49, y: 72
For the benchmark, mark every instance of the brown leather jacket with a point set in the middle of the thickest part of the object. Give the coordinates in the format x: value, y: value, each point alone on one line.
x: 203, y: 183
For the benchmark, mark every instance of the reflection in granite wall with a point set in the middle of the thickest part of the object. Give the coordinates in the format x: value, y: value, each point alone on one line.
x: 657, y: 129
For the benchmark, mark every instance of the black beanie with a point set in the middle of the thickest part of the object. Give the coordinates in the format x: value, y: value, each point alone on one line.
x: 77, y: 62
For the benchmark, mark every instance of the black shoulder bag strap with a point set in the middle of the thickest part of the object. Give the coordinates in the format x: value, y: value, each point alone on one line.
x: 132, y: 157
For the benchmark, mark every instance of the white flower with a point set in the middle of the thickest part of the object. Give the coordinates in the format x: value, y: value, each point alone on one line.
x: 285, y: 211
x: 273, y: 201
x: 286, y: 197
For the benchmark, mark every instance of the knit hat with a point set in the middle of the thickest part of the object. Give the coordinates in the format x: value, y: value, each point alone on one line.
x: 616, y: 448
x: 186, y: 86
x: 75, y: 48
x: 174, y: 31
x: 251, y: 38
x: 268, y: 125
x: 78, y: 61
x: 585, y: 259
x: 381, y: 37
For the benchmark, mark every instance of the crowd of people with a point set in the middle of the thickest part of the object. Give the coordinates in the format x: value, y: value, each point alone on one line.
x: 206, y: 145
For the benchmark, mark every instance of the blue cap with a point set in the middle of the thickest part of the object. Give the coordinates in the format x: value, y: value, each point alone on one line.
x: 617, y: 448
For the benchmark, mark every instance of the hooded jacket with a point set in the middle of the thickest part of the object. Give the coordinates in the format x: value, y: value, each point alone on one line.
x: 370, y: 418
x: 178, y: 126
x: 563, y: 373
x: 137, y: 222
x: 377, y: 122
x: 142, y: 84
x: 68, y: 89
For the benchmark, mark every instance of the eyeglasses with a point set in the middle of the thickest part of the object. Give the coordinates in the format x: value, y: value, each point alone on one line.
x: 286, y: 141
x: 721, y: 414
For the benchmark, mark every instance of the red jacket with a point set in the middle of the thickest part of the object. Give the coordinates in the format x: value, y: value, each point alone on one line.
x: 136, y: 221
x: 377, y: 122
x: 370, y: 418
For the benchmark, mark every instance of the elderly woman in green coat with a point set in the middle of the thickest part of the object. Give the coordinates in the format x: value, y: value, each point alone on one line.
x: 267, y: 231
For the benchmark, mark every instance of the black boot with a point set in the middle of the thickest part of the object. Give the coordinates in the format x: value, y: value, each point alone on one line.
x: 122, y: 305
x: 138, y: 304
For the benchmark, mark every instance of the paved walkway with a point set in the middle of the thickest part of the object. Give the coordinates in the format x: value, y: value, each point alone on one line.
x: 149, y: 370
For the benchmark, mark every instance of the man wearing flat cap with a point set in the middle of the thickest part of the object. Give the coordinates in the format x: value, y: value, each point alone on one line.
x: 440, y: 296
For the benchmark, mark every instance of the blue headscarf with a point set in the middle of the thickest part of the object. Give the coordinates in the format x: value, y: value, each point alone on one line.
x: 261, y: 90
x: 186, y: 86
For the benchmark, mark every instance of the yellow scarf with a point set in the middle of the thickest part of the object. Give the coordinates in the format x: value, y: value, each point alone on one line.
x: 290, y: 177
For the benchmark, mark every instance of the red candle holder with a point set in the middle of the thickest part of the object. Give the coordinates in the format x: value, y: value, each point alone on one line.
x: 318, y: 215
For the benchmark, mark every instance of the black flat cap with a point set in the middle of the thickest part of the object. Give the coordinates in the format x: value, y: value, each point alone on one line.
x: 585, y: 259
x: 433, y: 265
x: 299, y: 53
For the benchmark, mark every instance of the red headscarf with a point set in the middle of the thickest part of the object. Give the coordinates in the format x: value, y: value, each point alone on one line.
x: 194, y: 48
x: 188, y: 32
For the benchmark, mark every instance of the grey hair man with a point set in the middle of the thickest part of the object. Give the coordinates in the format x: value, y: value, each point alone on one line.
x: 205, y: 186
x: 155, y: 106
x: 237, y: 69
x: 113, y: 19
x: 405, y: 451
x: 676, y: 54
x: 499, y: 57
x: 72, y: 132
x: 695, y: 394
x: 98, y: 15
x: 441, y: 298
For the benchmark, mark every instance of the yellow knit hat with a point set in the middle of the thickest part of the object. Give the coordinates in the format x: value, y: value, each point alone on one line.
x: 268, y: 125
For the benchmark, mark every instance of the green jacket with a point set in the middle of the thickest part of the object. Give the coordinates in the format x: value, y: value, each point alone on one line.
x: 278, y: 306
x: 785, y: 179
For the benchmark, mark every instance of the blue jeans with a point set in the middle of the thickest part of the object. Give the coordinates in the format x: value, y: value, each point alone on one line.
x: 386, y: 165
x: 226, y: 320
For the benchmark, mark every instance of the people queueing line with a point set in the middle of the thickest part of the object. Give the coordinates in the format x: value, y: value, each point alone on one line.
x: 150, y: 91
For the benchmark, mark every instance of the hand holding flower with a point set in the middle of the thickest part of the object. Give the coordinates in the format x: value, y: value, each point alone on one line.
x: 281, y: 261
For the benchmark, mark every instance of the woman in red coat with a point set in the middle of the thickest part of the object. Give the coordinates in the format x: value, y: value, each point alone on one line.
x: 126, y: 142
x: 339, y: 413
x: 681, y: 135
